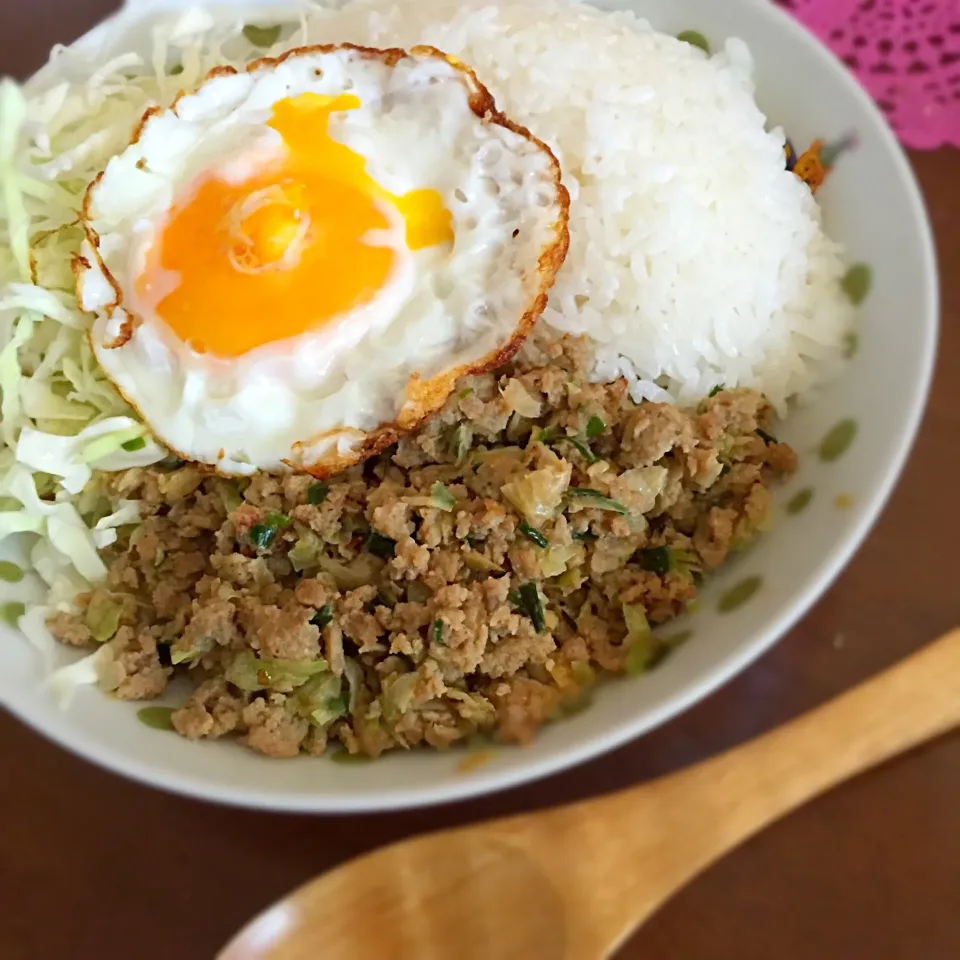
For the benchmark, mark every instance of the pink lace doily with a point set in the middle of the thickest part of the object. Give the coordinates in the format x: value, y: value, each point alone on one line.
x: 907, y: 55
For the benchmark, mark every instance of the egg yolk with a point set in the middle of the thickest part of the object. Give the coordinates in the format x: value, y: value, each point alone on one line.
x: 287, y: 250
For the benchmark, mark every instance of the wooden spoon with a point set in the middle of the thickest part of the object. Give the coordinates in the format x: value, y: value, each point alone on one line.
x: 574, y: 882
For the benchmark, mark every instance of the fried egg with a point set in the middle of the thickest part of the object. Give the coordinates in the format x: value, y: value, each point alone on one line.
x: 291, y: 266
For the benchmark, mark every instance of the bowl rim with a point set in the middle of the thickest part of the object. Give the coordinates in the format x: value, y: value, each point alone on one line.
x: 596, y: 744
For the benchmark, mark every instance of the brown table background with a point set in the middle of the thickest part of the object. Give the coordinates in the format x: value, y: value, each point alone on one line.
x: 95, y: 866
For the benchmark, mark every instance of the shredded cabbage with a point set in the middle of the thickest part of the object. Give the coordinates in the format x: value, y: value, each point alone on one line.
x: 103, y: 617
x: 105, y: 530
x: 520, y: 400
x: 250, y: 673
x: 89, y: 670
x: 538, y: 494
x: 61, y: 419
x: 321, y: 699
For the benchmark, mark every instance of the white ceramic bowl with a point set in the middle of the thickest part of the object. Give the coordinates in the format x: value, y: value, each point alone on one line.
x: 873, y: 205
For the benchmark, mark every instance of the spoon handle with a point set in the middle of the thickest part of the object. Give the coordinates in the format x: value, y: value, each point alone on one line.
x: 616, y: 859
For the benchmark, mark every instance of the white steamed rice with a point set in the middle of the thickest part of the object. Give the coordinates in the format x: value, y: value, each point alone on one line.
x: 695, y: 258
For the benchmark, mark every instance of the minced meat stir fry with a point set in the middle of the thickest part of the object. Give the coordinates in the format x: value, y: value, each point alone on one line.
x: 475, y: 579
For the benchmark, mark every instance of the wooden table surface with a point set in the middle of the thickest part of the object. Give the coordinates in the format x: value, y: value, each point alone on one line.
x: 95, y: 866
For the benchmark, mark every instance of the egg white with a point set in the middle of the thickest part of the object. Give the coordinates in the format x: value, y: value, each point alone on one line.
x: 314, y: 402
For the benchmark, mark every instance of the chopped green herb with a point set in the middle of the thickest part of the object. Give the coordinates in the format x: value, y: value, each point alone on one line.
x: 10, y: 572
x: 838, y: 440
x: 595, y: 499
x: 856, y: 283
x: 175, y: 70
x: 695, y: 39
x: 380, y: 546
x: 437, y: 632
x: 739, y: 594
x: 262, y: 36
x: 532, y: 534
x: 719, y: 388
x: 465, y: 393
x: 584, y: 536
x: 323, y: 616
x: 658, y: 560
x: 548, y: 434
x: 799, y: 501
x: 579, y: 446
x: 261, y: 535
x: 137, y: 443
x: 851, y: 343
x: 767, y: 438
x: 514, y: 597
x: 317, y: 493
x: 532, y: 605
x: 157, y: 717
x: 595, y: 426
x: 11, y: 612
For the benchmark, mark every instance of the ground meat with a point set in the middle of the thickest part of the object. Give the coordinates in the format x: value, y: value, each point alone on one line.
x: 141, y: 675
x: 392, y: 519
x: 737, y: 412
x: 663, y: 597
x: 273, y: 728
x: 653, y: 430
x: 313, y: 592
x: 211, y: 711
x: 509, y: 654
x: 244, y: 519
x: 357, y: 624
x: 285, y: 633
x: 781, y: 459
x: 471, y: 579
x: 522, y: 706
x: 410, y: 561
x: 715, y: 535
x: 70, y: 630
x: 212, y: 622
